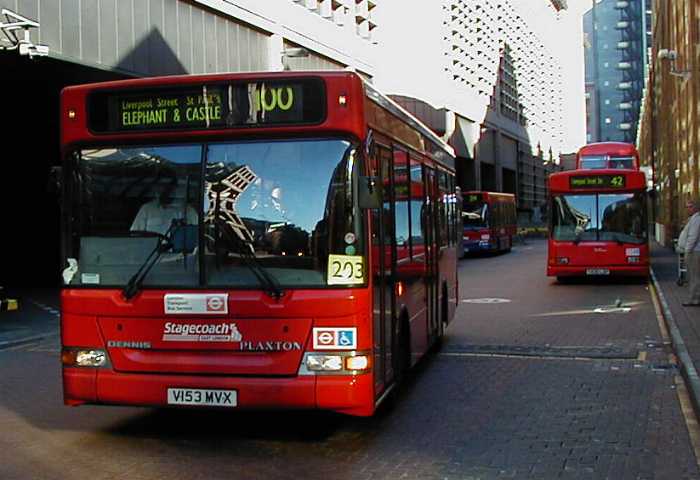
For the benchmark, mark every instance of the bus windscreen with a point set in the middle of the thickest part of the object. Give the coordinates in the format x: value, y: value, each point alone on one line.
x: 615, y: 217
x: 216, y: 105
x: 474, y: 214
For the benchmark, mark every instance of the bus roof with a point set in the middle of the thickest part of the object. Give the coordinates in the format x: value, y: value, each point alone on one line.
x: 610, y: 148
x: 591, y: 181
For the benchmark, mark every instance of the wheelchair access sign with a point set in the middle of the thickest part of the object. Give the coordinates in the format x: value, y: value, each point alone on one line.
x: 335, y: 338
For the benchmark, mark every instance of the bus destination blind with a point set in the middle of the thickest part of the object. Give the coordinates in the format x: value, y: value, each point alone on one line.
x: 189, y: 107
x: 596, y: 181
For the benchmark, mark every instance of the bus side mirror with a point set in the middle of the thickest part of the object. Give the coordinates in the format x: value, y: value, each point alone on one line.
x: 369, y: 193
x: 55, y: 180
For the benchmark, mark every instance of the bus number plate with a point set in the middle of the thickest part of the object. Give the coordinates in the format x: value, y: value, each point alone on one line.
x: 597, y: 271
x: 200, y: 397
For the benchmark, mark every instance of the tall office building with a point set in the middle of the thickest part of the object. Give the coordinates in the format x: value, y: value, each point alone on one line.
x: 494, y: 85
x: 617, y: 36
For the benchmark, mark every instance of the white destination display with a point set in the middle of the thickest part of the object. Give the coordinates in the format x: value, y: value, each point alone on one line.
x: 196, y: 303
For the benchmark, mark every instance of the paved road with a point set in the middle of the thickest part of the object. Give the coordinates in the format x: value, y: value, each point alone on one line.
x: 538, y: 387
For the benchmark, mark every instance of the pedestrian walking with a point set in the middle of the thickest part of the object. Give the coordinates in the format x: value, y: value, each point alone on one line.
x: 692, y: 252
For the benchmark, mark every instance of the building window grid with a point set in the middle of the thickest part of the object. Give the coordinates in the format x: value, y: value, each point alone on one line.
x: 357, y: 12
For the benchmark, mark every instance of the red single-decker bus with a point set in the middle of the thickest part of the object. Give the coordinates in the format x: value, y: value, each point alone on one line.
x: 489, y: 221
x: 231, y: 241
x: 598, y: 223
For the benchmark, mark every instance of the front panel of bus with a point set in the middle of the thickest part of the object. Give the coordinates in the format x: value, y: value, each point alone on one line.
x: 211, y: 260
x: 476, y: 216
x: 598, y: 231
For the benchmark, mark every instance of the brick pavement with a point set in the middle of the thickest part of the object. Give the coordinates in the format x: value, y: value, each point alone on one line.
x: 665, y: 265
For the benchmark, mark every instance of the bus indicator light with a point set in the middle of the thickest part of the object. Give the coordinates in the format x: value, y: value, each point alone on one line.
x: 563, y: 260
x: 71, y: 114
x: 343, y: 101
x: 361, y: 362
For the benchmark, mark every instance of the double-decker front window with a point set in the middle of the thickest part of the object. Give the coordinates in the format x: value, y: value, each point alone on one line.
x: 595, y: 162
x: 212, y: 215
x: 616, y: 217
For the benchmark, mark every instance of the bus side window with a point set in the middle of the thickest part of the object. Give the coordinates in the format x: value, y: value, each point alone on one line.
x: 417, y: 197
x: 401, y: 211
x: 443, y: 209
x: 454, y: 223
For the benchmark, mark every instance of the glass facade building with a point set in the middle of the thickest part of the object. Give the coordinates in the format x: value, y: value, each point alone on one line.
x: 617, y: 35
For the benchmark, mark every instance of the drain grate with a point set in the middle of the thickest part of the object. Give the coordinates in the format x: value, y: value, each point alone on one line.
x: 605, y: 352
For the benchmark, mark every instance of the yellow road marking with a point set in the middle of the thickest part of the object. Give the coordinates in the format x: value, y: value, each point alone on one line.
x: 691, y: 420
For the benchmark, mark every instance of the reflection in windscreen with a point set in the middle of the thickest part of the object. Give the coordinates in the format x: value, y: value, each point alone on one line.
x: 475, y: 214
x: 602, y: 217
x: 287, y: 202
x: 123, y: 201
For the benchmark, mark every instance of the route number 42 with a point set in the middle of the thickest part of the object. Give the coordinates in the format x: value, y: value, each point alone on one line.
x: 345, y: 270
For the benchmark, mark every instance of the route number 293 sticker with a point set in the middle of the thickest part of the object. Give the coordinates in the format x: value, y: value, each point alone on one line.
x: 345, y: 270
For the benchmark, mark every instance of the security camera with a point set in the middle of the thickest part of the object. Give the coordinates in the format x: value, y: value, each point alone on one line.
x: 33, y: 50
x: 666, y: 54
x: 295, y: 52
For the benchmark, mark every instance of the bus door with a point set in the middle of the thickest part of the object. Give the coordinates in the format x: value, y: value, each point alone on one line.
x: 417, y: 266
x: 432, y: 251
x: 383, y: 265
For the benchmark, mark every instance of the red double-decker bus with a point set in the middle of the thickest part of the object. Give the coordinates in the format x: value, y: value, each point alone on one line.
x: 489, y: 221
x: 615, y: 155
x: 245, y: 241
x: 598, y: 223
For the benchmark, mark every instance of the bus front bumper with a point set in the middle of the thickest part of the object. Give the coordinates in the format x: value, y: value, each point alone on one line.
x: 349, y: 394
x: 641, y: 270
x: 477, y: 246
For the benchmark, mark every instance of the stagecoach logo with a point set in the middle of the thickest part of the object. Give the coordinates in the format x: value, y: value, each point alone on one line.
x: 201, y: 332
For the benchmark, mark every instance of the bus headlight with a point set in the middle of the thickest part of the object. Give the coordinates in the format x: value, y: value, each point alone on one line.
x: 562, y: 260
x: 485, y: 236
x: 73, y: 357
x: 324, y: 363
x: 632, y: 259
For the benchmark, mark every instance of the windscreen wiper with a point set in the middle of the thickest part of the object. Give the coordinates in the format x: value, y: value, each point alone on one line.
x: 163, y: 245
x: 266, y: 279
